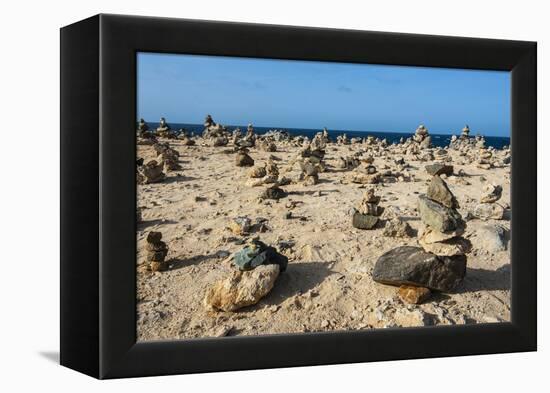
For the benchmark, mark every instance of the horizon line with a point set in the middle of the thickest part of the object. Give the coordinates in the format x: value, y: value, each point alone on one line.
x: 334, y: 129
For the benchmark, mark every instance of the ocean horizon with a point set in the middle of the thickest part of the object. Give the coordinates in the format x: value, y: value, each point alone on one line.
x: 439, y: 140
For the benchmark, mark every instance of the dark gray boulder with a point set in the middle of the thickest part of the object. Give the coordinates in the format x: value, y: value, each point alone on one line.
x: 408, y: 265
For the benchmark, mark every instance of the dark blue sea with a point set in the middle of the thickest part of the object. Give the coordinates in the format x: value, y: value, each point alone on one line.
x: 392, y: 137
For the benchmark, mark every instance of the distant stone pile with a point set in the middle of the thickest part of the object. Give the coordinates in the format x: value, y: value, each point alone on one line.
x: 164, y: 130
x: 422, y: 137
x: 215, y: 134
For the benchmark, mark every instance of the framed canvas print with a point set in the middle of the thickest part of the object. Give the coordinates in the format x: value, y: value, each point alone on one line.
x: 239, y: 196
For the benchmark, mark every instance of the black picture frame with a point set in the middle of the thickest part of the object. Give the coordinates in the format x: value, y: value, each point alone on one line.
x: 98, y: 196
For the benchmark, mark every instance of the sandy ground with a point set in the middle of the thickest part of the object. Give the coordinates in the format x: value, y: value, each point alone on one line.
x: 328, y: 284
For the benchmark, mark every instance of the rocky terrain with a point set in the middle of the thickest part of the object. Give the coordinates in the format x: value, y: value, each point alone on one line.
x: 245, y: 234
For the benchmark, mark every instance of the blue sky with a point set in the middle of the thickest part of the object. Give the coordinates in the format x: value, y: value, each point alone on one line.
x: 304, y: 94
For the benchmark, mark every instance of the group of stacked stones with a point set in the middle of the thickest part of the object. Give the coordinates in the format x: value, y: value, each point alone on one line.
x: 422, y: 137
x: 367, y: 213
x: 167, y: 157
x: 249, y: 140
x: 143, y: 130
x: 465, y: 142
x: 215, y: 133
x: 150, y: 172
x: 311, y: 159
x: 156, y: 252
x: 164, y: 130
x: 342, y: 139
x: 349, y: 162
x: 267, y: 174
x: 485, y: 159
x: 488, y: 208
x: 443, y: 224
x: 267, y: 144
x: 365, y: 173
x: 440, y: 264
x: 255, y: 268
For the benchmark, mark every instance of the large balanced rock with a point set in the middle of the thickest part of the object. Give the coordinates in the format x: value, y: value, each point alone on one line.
x: 408, y: 265
x: 241, y: 288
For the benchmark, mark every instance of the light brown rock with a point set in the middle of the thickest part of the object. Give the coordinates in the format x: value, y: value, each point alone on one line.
x: 414, y: 295
x: 486, y: 211
x: 448, y: 248
x: 241, y: 288
x: 429, y: 236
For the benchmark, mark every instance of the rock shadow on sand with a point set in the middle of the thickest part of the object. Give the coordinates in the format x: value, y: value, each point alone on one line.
x: 298, y: 278
x: 478, y: 280
x: 178, y: 263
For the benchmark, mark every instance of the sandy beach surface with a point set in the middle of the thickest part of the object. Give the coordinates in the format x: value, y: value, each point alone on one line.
x: 328, y: 284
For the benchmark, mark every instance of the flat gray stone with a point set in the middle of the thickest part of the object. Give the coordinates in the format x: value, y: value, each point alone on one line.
x: 437, y: 216
x: 364, y: 221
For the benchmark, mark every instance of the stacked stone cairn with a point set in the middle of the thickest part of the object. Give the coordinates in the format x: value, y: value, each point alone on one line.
x: 143, y: 129
x: 443, y: 224
x: 267, y: 144
x: 440, y: 264
x: 255, y: 268
x: 311, y: 159
x: 365, y: 173
x: 368, y: 212
x: 167, y: 157
x: 342, y: 139
x: 150, y: 172
x: 156, y: 252
x: 266, y: 174
x: 214, y: 133
x: 249, y: 140
x: 163, y: 130
x: 348, y: 163
x: 422, y: 137
x: 242, y: 158
x: 488, y: 208
x: 485, y: 159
